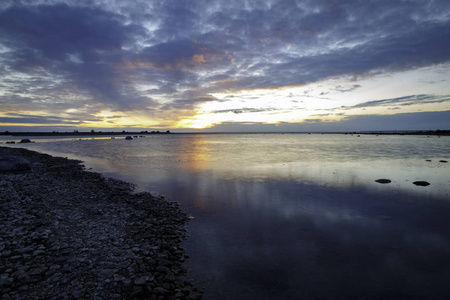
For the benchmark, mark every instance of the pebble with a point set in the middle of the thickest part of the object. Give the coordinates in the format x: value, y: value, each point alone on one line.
x: 89, y: 236
x: 140, y: 281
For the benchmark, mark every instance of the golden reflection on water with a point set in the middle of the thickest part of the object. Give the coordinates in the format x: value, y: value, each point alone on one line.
x: 195, y: 154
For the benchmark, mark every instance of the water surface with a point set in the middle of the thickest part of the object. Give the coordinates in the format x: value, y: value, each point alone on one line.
x: 296, y: 216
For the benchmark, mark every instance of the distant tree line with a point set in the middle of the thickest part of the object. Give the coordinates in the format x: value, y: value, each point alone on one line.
x: 76, y: 132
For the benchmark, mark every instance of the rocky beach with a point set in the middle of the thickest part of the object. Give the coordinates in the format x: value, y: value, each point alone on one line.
x: 67, y: 233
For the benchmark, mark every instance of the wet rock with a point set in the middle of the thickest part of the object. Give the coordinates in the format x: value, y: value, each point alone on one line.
x: 140, y: 281
x: 383, y: 181
x: 421, y: 183
x: 37, y: 271
x: 159, y: 291
x: 25, y: 141
x: 443, y: 161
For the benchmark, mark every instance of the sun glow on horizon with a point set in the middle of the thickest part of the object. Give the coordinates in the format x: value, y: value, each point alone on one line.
x: 330, y: 100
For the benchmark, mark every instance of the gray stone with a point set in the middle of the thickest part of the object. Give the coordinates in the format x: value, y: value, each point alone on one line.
x: 124, y: 264
x: 159, y: 290
x: 140, y: 281
x: 67, y: 234
x: 37, y: 271
x: 107, y: 272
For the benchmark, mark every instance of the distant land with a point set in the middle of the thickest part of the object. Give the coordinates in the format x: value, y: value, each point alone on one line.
x: 107, y: 133
x: 76, y: 133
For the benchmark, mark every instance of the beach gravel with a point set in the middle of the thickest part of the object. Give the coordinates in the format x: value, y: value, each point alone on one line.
x: 66, y: 233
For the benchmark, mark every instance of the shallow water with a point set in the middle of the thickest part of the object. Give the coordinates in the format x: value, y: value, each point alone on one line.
x: 296, y: 216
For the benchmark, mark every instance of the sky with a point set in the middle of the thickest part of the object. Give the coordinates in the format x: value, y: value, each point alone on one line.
x: 307, y: 65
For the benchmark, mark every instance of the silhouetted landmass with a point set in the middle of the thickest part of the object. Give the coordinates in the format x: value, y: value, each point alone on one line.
x: 413, y: 132
x: 80, y: 133
x: 136, y: 133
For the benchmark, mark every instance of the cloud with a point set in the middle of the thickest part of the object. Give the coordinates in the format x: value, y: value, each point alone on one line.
x: 404, y: 121
x: 75, y: 43
x: 53, y: 32
x: 178, y: 54
x: 345, y: 89
x: 403, y: 101
x: 166, y: 57
x: 245, y: 110
x: 36, y: 119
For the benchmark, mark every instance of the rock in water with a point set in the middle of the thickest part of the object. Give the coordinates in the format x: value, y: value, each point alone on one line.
x: 129, y: 137
x: 383, y: 180
x: 14, y: 163
x: 421, y: 183
x: 25, y: 141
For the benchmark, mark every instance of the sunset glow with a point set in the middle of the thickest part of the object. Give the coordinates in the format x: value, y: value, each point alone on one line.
x: 290, y: 65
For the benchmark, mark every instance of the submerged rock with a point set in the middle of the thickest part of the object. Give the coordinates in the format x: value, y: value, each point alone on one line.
x: 421, y: 183
x: 383, y: 180
x: 14, y: 163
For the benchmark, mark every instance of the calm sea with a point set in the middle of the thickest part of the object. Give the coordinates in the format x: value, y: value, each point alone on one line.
x: 295, y: 216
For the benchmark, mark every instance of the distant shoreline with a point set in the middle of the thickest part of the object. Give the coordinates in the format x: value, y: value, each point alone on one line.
x: 140, y: 133
x: 95, y: 133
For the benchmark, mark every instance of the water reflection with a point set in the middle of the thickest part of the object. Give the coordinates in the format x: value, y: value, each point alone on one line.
x: 286, y: 240
x: 195, y: 154
x: 295, y: 216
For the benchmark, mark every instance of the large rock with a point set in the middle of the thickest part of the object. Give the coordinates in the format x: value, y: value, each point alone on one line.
x: 14, y: 163
x: 383, y: 180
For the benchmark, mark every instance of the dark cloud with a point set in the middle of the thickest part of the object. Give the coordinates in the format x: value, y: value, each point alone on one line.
x: 245, y: 110
x: 55, y: 32
x: 120, y: 56
x: 36, y: 119
x: 402, y: 101
x: 345, y: 89
x: 76, y: 43
x: 179, y: 54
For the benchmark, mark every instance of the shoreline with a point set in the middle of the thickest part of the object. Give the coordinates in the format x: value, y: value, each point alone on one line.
x: 438, y: 132
x: 68, y: 233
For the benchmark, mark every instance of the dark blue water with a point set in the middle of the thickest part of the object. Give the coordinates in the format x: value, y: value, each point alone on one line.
x: 297, y: 216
